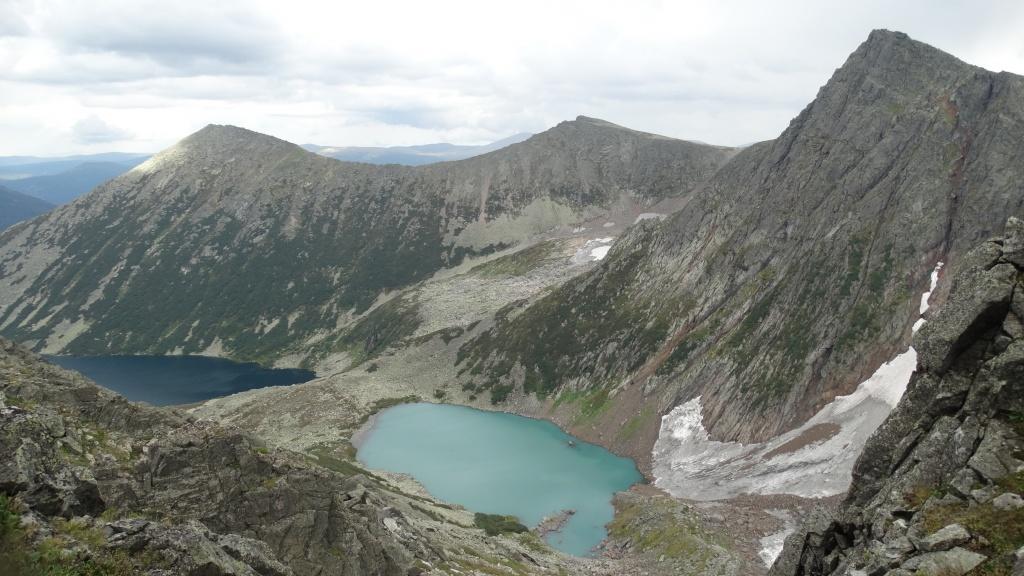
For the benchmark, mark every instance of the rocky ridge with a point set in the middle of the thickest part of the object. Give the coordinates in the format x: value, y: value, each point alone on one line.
x: 262, y: 250
x: 791, y: 275
x: 938, y: 488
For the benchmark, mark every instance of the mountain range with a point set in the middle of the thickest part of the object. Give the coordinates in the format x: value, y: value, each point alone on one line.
x: 601, y: 278
x: 63, y: 187
x: 265, y: 247
x: 59, y: 180
x: 15, y: 207
x: 412, y: 155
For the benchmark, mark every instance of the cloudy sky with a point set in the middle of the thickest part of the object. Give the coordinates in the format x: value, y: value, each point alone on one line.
x: 134, y: 75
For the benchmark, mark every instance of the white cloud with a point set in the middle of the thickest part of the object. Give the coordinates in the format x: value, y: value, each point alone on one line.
x: 387, y: 73
x: 93, y: 130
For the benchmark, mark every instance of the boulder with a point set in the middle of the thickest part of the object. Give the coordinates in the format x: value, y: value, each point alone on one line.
x: 945, y: 538
x: 1008, y: 501
x: 955, y: 562
x: 1018, y: 566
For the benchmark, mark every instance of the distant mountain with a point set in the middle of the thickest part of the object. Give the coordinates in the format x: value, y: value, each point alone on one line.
x: 17, y: 167
x: 412, y: 155
x: 65, y: 186
x: 260, y: 246
x: 15, y: 207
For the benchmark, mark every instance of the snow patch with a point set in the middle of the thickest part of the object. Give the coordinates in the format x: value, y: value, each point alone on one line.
x: 927, y: 295
x: 771, y: 545
x: 815, y: 460
x: 608, y: 224
x: 649, y: 216
x: 593, y: 250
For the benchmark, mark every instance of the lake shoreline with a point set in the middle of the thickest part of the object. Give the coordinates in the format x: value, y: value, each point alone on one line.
x: 362, y: 433
x: 501, y: 463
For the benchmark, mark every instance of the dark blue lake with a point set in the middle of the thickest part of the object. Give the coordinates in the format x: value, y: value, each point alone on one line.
x: 166, y: 380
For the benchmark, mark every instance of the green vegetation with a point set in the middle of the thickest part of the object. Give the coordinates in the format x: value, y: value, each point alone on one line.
x: 533, y: 542
x: 494, y: 524
x: 685, y: 347
x: 385, y: 403
x: 500, y: 392
x: 636, y: 423
x: 381, y: 329
x: 663, y: 528
x: 1003, y: 531
x: 76, y: 529
x: 590, y: 403
x: 563, y: 335
x: 518, y: 263
x: 919, y: 494
x: 331, y: 458
x: 258, y: 291
x: 19, y: 556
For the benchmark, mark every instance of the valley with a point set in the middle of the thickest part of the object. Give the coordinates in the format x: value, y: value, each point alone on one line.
x: 766, y: 331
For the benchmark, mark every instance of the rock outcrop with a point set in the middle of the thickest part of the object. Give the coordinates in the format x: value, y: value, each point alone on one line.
x: 937, y: 488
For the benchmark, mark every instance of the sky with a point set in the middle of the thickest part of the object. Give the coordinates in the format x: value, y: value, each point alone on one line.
x: 85, y: 76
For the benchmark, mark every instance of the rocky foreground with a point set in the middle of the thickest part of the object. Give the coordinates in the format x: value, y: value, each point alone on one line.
x: 938, y: 488
x: 93, y: 484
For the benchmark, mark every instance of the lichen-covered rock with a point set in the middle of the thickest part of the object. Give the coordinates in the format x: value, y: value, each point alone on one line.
x: 955, y: 562
x: 944, y: 539
x: 1008, y: 501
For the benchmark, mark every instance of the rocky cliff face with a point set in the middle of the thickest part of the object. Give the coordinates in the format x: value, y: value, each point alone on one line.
x: 938, y: 488
x: 793, y: 274
x: 239, y: 244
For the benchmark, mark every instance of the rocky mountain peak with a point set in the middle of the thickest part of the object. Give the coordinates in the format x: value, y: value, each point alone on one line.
x: 217, y: 138
x: 892, y: 63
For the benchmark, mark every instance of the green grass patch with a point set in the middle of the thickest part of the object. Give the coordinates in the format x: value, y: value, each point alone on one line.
x: 517, y: 263
x: 20, y: 557
x: 635, y: 424
x: 494, y: 524
x: 663, y: 529
x: 329, y: 457
x: 1002, y: 529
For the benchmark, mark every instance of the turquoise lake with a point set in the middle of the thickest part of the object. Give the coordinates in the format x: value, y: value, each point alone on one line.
x: 501, y: 463
x: 166, y: 380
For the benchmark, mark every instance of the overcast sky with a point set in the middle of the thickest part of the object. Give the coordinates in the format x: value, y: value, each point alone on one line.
x: 134, y: 75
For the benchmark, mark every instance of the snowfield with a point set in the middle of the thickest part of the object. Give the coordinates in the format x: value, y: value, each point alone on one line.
x: 593, y: 250
x: 815, y: 460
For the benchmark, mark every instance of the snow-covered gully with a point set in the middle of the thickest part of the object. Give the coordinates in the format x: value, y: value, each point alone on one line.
x: 814, y: 460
